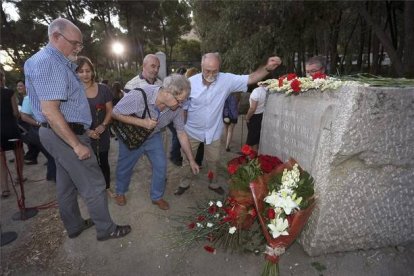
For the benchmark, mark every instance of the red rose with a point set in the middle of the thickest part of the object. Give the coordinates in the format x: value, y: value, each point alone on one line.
x: 291, y: 77
x: 191, y: 225
x: 295, y: 85
x: 252, y: 154
x: 232, y: 168
x: 318, y: 76
x: 271, y: 214
x: 246, y: 149
x: 201, y: 218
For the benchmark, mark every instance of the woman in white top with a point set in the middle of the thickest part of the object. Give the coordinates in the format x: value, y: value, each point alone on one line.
x: 254, y: 116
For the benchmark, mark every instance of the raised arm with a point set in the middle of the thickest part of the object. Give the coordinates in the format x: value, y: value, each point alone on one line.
x: 259, y: 74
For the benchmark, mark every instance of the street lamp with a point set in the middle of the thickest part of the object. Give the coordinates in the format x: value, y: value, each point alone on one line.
x: 118, y: 49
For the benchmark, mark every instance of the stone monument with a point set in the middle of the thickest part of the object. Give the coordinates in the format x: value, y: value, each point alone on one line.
x: 358, y: 143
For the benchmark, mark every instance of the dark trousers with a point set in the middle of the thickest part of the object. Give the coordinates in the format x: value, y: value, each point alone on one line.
x: 175, y: 153
x: 32, y: 138
x: 104, y: 165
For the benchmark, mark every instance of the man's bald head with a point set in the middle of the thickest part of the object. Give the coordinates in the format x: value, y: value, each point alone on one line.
x: 150, y: 67
x: 210, y: 65
x: 66, y: 37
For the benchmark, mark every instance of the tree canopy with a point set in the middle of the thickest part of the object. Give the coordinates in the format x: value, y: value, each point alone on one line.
x: 355, y: 36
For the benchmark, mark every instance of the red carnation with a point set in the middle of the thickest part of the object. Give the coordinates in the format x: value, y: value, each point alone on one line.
x: 291, y: 76
x: 210, y: 176
x: 318, y: 76
x: 253, y: 213
x: 246, y: 149
x: 271, y: 214
x: 191, y: 225
x: 100, y: 107
x: 210, y: 249
x: 295, y: 85
x: 232, y: 168
x: 212, y: 209
x: 281, y: 81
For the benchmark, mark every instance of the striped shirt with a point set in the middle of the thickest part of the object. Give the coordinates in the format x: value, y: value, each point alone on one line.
x: 50, y: 76
x: 206, y: 103
x: 133, y: 104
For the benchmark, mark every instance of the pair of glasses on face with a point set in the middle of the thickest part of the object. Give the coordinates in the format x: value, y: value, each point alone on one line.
x: 313, y: 71
x: 74, y: 43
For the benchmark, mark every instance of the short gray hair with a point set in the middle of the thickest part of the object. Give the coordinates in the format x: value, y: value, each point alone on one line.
x: 320, y: 60
x: 58, y: 25
x: 176, y: 84
x: 210, y: 55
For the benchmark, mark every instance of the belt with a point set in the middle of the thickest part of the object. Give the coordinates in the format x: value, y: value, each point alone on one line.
x: 77, y: 128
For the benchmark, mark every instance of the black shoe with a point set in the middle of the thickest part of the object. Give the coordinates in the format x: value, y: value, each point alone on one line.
x: 30, y: 162
x: 119, y: 232
x: 87, y: 223
x: 181, y: 190
x: 218, y: 190
x: 227, y: 149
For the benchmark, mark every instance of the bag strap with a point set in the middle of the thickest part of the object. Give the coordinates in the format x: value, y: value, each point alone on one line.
x: 146, y: 110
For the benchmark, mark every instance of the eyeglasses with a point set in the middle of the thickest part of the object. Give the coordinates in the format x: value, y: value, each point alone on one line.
x: 74, y: 43
x: 313, y: 71
x: 178, y: 100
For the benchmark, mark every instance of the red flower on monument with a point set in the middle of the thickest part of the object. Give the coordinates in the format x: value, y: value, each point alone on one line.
x: 291, y: 76
x: 295, y: 85
x: 318, y: 76
x: 281, y: 81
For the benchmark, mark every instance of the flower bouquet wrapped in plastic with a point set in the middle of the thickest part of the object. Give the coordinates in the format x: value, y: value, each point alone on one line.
x: 284, y: 201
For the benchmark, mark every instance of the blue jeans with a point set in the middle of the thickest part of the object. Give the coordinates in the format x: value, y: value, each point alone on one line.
x: 127, y: 159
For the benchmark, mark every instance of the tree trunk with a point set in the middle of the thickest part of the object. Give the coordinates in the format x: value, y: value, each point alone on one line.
x: 409, y: 39
x: 385, y: 41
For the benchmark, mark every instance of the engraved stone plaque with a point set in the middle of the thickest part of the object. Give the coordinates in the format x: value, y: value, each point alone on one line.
x: 358, y: 143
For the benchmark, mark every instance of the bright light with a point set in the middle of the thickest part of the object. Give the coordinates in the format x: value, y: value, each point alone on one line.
x: 118, y: 48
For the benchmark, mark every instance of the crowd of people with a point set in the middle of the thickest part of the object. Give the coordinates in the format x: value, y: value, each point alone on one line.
x: 67, y: 116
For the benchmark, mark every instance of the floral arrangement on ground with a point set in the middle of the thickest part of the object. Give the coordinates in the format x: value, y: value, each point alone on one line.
x: 268, y: 204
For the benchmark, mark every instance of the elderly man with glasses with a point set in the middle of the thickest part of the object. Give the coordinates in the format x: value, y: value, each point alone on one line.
x: 314, y: 65
x: 164, y: 106
x: 60, y: 105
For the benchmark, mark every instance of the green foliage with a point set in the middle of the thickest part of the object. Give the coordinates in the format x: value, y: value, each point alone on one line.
x: 246, y: 173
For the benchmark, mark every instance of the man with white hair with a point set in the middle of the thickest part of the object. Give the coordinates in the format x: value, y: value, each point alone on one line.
x: 60, y: 105
x: 209, y: 90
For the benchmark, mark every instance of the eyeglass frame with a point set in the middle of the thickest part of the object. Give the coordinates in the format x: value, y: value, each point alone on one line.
x: 74, y: 43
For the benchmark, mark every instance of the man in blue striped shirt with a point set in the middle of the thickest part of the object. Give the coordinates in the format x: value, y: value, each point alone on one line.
x: 164, y: 104
x: 59, y: 103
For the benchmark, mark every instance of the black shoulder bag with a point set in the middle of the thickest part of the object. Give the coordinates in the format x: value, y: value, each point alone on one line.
x: 131, y: 135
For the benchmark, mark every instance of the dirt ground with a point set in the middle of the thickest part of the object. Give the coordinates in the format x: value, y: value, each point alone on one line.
x: 42, y: 246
